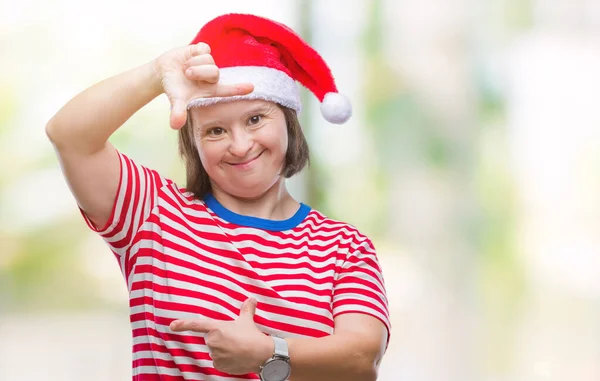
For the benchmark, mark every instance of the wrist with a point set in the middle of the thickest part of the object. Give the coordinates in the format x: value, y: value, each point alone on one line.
x: 153, y: 78
x: 277, y: 367
x: 265, y: 351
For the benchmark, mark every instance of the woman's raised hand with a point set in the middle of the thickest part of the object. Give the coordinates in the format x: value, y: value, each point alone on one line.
x: 188, y: 73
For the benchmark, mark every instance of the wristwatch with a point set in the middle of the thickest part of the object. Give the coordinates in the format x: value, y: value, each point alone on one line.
x: 277, y: 368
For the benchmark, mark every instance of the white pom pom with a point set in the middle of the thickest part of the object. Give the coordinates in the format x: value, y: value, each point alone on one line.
x: 336, y: 108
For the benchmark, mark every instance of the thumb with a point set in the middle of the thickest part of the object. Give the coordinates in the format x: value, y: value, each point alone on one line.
x: 178, y: 114
x: 248, y: 309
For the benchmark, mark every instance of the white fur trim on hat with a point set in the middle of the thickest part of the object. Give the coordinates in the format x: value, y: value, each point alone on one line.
x: 269, y: 84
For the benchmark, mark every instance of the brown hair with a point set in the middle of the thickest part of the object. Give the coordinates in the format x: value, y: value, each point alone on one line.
x: 197, y: 181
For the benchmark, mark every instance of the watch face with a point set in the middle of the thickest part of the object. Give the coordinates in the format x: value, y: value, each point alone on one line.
x: 276, y: 370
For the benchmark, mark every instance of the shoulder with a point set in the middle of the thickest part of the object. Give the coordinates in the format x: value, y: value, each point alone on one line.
x: 138, y: 177
x: 141, y: 172
x: 347, y: 232
x: 181, y: 198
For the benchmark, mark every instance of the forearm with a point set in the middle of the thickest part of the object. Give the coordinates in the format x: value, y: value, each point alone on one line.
x: 332, y: 358
x: 87, y: 121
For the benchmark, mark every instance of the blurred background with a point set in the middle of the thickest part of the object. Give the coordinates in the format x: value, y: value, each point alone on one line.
x: 473, y: 162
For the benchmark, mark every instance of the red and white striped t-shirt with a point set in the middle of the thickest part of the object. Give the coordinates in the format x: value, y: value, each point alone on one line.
x: 183, y: 258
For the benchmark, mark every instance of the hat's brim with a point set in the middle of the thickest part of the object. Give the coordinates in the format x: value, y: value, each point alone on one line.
x: 269, y: 84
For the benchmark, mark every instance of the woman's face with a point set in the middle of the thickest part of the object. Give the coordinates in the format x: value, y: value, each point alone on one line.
x: 242, y: 145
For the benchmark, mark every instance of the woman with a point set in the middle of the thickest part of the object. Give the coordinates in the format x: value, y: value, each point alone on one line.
x: 230, y: 278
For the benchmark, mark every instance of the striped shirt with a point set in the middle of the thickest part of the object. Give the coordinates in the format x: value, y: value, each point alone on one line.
x: 183, y: 258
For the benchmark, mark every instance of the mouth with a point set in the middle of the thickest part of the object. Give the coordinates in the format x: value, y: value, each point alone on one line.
x: 247, y: 161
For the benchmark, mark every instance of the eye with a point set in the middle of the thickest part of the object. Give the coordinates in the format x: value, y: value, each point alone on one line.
x: 215, y: 131
x: 255, y: 119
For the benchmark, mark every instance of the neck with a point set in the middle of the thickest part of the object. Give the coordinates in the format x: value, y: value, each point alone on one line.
x: 275, y: 204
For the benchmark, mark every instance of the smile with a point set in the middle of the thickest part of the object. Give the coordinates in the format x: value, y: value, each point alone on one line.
x: 246, y: 162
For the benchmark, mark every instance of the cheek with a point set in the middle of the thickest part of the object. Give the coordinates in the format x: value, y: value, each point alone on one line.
x: 284, y: 140
x: 278, y: 139
x: 208, y: 154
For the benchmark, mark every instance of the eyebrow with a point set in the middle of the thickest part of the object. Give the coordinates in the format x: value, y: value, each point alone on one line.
x: 260, y: 109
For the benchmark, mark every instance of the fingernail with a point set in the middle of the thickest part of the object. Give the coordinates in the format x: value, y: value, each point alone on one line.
x: 188, y: 72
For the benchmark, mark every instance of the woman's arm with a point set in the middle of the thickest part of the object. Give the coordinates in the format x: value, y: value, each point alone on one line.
x: 352, y: 353
x: 86, y: 122
x: 80, y: 132
x: 81, y: 129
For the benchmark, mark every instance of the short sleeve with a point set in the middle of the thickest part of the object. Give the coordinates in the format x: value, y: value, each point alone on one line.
x: 135, y: 199
x: 360, y: 287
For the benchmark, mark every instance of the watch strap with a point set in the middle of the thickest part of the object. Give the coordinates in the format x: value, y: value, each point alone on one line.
x: 281, y: 347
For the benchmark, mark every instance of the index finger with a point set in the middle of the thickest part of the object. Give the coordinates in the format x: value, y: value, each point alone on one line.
x: 233, y: 90
x: 196, y: 325
x: 196, y: 50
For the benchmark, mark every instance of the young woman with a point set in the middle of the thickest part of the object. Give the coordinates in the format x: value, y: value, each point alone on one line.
x: 229, y: 278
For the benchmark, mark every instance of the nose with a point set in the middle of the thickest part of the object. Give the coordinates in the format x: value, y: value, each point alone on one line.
x: 241, y: 143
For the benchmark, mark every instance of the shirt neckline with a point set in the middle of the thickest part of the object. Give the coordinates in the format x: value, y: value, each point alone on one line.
x: 256, y: 222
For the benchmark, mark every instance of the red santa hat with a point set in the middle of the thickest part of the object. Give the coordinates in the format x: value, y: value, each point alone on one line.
x: 248, y: 48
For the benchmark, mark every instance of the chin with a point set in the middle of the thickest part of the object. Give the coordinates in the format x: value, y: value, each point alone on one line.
x: 248, y: 190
